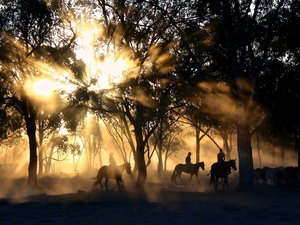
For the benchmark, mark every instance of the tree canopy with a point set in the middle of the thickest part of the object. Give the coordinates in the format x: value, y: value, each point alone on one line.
x: 145, y: 65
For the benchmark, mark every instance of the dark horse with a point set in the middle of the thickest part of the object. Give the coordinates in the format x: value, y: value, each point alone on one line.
x: 221, y: 170
x: 109, y: 173
x: 190, y: 169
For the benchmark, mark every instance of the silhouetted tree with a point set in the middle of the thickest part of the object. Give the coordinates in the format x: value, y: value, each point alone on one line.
x: 247, y: 30
x: 48, y: 122
x: 57, y: 146
x: 134, y: 29
x: 25, y: 27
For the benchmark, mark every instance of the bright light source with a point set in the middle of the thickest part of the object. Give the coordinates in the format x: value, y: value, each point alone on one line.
x: 43, y: 87
x: 114, y: 67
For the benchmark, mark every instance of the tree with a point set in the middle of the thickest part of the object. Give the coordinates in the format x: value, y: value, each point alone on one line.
x: 93, y: 138
x: 258, y: 49
x: 199, y: 121
x: 31, y: 23
x: 26, y: 27
x: 118, y: 127
x: 173, y: 142
x: 243, y: 39
x: 58, y: 145
x: 227, y: 50
x: 286, y: 115
x: 48, y: 122
x: 127, y: 26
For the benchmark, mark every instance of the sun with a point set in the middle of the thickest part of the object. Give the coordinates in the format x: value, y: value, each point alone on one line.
x: 108, y: 71
x: 43, y: 87
x: 114, y: 67
x: 111, y: 71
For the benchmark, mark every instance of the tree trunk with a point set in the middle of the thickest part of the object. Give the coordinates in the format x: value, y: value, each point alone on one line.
x: 165, y: 161
x: 282, y: 154
x: 258, y: 149
x: 160, y: 162
x: 48, y: 160
x: 197, y: 145
x: 100, y: 157
x: 226, y: 145
x: 298, y: 146
x: 130, y: 141
x: 274, y: 148
x: 40, y: 146
x: 246, y: 173
x: 142, y: 171
x: 32, y: 168
x: 40, y: 160
x: 140, y: 147
x: 230, y: 142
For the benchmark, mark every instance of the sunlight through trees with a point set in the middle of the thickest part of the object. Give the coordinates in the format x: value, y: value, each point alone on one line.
x: 81, y: 79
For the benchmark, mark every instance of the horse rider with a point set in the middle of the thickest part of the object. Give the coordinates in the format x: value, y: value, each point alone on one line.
x: 221, y: 156
x: 221, y: 159
x: 188, y: 161
x: 113, y: 164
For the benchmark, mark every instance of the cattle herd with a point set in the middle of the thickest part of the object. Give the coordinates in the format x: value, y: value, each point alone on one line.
x: 276, y: 176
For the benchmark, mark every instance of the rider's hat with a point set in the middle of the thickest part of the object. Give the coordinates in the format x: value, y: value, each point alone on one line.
x: 189, y: 153
x: 111, y: 154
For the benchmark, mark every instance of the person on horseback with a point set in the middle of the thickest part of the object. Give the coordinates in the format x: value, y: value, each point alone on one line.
x: 113, y: 164
x: 188, y: 161
x: 221, y: 159
x: 221, y: 156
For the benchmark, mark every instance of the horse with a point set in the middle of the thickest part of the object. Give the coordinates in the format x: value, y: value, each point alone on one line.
x: 109, y: 173
x: 221, y: 170
x: 260, y: 174
x: 281, y: 175
x: 192, y: 169
x: 291, y: 175
x: 272, y: 175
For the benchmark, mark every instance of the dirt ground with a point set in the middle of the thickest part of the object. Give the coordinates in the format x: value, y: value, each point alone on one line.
x: 71, y: 200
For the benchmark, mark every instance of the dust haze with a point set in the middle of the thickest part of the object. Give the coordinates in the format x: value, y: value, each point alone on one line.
x: 62, y: 179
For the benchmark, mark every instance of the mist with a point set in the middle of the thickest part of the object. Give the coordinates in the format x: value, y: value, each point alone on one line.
x: 63, y: 179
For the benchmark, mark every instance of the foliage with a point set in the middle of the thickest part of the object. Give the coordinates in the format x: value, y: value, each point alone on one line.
x: 230, y: 65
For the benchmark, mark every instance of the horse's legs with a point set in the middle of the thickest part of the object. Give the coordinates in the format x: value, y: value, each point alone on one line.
x: 118, y: 182
x: 179, y: 174
x: 191, y: 177
x: 197, y: 178
x: 216, y: 182
x: 196, y: 175
x: 106, y: 181
x: 225, y: 182
x: 175, y: 175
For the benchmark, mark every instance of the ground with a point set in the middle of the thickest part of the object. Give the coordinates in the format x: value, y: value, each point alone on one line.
x: 71, y: 200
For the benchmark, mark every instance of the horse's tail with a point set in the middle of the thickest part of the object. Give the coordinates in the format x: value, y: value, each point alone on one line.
x: 93, y: 178
x: 173, y: 175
